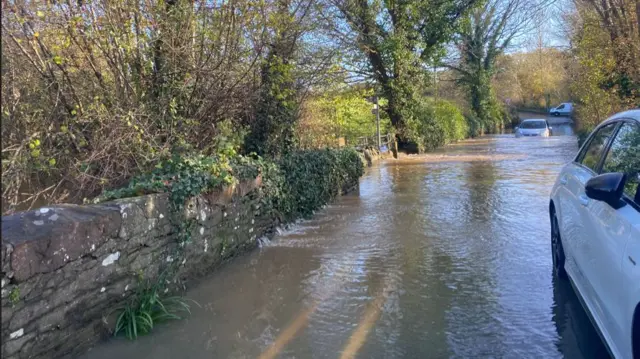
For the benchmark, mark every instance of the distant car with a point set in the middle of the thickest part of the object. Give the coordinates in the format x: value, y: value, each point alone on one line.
x: 533, y: 127
x: 565, y: 109
x: 595, y: 230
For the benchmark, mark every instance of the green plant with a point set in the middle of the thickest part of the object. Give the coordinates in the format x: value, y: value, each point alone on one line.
x: 14, y: 295
x: 453, y: 122
x: 315, y: 177
x: 423, y: 127
x: 146, y: 308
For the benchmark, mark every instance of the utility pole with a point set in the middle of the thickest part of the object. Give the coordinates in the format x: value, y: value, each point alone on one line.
x: 376, y: 110
x: 435, y: 80
x: 378, y: 122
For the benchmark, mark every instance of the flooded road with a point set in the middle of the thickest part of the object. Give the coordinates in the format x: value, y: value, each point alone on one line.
x: 442, y: 256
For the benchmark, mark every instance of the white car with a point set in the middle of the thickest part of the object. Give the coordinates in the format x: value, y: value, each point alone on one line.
x: 595, y: 230
x: 533, y: 127
x: 564, y: 109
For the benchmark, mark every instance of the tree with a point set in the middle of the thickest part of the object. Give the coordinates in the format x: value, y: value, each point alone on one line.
x: 277, y: 107
x: 620, y: 20
x: 487, y: 35
x: 605, y: 46
x: 397, y: 39
x: 536, y: 79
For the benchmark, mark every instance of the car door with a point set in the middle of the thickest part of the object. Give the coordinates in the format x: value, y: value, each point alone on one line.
x: 573, y: 200
x: 611, y: 230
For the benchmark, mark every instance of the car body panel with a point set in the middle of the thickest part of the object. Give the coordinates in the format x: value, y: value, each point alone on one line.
x: 602, y: 250
x: 564, y: 109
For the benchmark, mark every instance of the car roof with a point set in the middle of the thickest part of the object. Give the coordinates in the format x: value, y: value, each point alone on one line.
x: 534, y: 119
x: 630, y: 114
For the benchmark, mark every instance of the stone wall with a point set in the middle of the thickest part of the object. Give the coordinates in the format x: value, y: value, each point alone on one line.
x: 66, y: 268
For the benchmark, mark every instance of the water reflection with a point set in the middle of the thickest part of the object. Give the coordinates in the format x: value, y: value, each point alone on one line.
x: 578, y: 338
x: 431, y: 259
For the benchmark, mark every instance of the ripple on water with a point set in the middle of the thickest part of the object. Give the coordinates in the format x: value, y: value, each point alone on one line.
x: 446, y: 254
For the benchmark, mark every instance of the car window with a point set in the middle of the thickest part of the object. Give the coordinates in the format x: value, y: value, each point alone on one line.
x: 560, y: 107
x: 591, y: 154
x: 533, y: 124
x: 624, y: 156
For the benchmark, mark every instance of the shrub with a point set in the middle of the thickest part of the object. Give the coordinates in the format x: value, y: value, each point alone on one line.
x: 475, y: 125
x: 314, y: 177
x: 453, y: 122
x: 436, y: 123
x: 182, y: 177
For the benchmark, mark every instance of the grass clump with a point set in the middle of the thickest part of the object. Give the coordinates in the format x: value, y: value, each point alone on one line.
x: 146, y: 309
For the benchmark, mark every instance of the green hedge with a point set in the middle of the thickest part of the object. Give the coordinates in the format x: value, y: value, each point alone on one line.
x: 312, y: 178
x: 293, y: 187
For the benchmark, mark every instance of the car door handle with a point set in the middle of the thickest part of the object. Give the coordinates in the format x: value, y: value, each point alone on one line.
x: 563, y: 180
x: 584, y: 200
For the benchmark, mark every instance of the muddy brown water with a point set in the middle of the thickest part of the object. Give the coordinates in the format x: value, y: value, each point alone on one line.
x: 431, y: 259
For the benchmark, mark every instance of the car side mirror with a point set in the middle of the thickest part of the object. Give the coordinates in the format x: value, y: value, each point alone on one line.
x: 550, y: 128
x: 607, y: 187
x: 516, y: 129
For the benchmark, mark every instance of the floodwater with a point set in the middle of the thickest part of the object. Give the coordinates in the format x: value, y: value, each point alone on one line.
x: 438, y: 256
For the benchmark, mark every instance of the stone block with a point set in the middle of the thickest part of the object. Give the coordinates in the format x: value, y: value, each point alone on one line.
x: 46, y: 239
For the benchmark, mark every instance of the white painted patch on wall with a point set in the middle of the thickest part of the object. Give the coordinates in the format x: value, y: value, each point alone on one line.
x: 203, y: 215
x: 169, y: 259
x: 253, y: 221
x: 206, y: 246
x: 201, y: 230
x: 93, y: 247
x: 38, y: 222
x: 53, y: 217
x: 102, y: 289
x: 126, y: 287
x: 111, y: 258
x: 44, y: 210
x: 17, y: 334
x: 224, y: 214
x: 123, y: 207
x: 161, y: 216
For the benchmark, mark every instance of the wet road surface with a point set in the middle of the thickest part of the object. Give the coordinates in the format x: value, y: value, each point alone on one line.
x: 439, y: 256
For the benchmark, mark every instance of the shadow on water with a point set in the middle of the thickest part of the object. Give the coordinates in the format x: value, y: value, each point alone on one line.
x: 443, y: 258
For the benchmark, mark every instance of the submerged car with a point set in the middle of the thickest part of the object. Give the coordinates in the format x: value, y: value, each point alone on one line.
x: 595, y: 230
x: 533, y: 127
